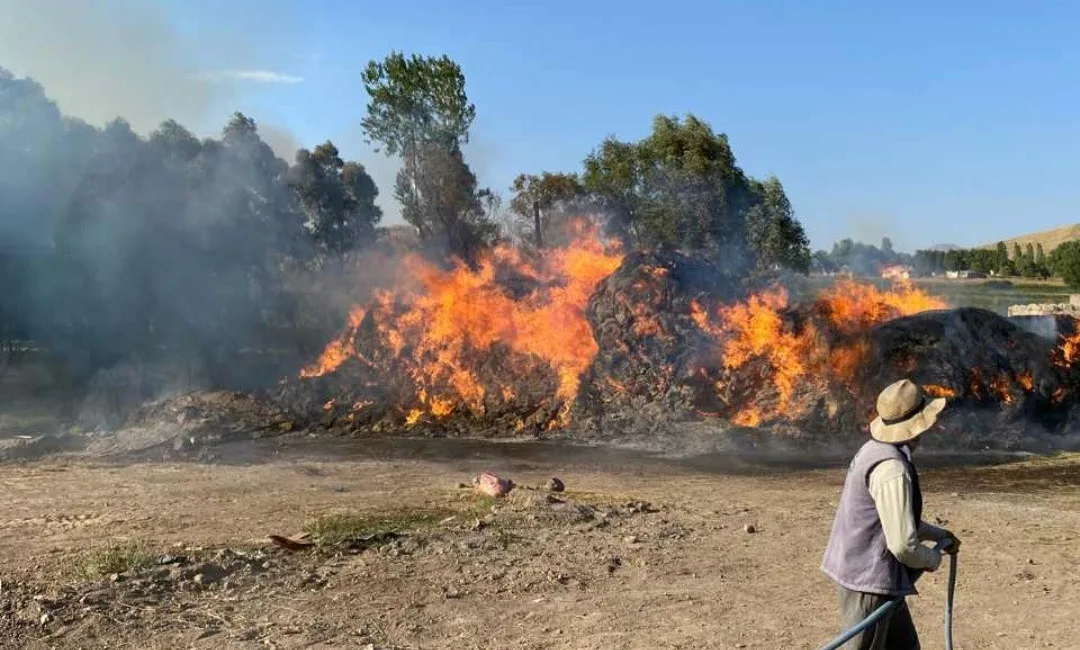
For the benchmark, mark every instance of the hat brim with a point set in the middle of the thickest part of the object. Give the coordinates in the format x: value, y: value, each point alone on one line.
x: 909, y: 429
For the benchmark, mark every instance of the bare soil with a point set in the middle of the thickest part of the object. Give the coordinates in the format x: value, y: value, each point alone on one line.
x: 637, y: 553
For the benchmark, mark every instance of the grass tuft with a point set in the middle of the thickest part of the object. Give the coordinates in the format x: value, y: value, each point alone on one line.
x: 112, y: 559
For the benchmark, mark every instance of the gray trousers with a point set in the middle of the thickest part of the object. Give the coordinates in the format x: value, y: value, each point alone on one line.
x: 894, y: 631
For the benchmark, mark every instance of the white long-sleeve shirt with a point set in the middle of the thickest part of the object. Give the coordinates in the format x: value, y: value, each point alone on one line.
x: 891, y: 488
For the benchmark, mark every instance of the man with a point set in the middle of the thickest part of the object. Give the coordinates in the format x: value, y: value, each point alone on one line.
x: 875, y: 546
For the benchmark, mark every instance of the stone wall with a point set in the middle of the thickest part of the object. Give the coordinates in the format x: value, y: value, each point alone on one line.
x: 1071, y: 308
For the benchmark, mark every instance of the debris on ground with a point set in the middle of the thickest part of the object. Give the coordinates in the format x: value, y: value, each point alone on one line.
x: 492, y: 485
x: 295, y: 543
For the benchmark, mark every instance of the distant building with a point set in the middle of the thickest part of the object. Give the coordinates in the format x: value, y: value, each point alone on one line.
x: 896, y: 272
x: 964, y: 275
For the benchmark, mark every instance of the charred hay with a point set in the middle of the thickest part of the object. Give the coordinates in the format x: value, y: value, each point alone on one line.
x: 1004, y: 386
x: 648, y: 371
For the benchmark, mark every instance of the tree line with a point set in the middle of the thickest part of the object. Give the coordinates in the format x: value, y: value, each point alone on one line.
x: 859, y: 258
x: 1029, y: 261
x: 115, y: 244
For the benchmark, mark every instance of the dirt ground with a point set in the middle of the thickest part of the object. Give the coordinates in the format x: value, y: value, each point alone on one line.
x: 635, y: 554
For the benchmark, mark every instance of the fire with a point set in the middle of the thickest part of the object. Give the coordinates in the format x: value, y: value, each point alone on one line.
x: 755, y: 331
x: 1068, y: 351
x: 934, y: 390
x: 1000, y: 388
x: 438, y: 327
x: 438, y: 317
x: 338, y: 351
x: 853, y: 306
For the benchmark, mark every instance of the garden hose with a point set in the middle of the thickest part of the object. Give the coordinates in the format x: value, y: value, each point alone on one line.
x: 892, y: 604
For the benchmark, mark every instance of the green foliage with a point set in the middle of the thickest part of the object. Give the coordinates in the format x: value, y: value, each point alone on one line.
x: 111, y: 559
x: 336, y: 197
x: 416, y: 101
x: 561, y: 197
x: 1001, y: 259
x: 681, y: 186
x: 1065, y: 262
x: 420, y: 111
x: 775, y: 236
x: 445, y: 204
x: 989, y: 261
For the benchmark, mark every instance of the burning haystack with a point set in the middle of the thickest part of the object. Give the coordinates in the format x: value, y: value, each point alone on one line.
x: 518, y: 345
x: 497, y: 348
x: 647, y: 370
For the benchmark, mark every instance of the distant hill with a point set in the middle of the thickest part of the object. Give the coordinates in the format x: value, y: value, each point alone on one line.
x: 1050, y: 239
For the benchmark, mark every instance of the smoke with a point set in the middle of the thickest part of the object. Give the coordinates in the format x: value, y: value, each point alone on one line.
x: 148, y: 264
x: 870, y: 227
x: 283, y: 143
x: 104, y: 59
x: 126, y: 58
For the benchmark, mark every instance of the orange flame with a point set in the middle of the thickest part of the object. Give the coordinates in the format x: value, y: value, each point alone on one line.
x: 934, y: 390
x: 430, y: 324
x: 1068, y: 351
x: 755, y: 332
x: 854, y: 306
x: 338, y: 351
x: 1001, y: 389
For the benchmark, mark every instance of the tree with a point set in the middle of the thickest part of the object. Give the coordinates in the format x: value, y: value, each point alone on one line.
x: 842, y: 249
x: 954, y: 260
x: 1040, y: 256
x: 680, y: 186
x: 774, y: 234
x: 561, y: 197
x: 415, y: 102
x: 1001, y: 259
x: 1017, y: 253
x: 420, y: 111
x: 445, y: 197
x: 1029, y: 253
x: 1065, y: 260
x: 548, y: 189
x: 336, y: 197
x: 613, y: 174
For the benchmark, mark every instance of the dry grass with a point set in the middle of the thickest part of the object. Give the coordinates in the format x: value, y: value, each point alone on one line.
x: 1050, y: 239
x: 112, y: 559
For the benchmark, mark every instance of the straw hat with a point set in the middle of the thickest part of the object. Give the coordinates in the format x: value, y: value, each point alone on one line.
x: 904, y: 412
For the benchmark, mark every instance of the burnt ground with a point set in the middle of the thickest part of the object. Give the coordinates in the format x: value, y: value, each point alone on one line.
x: 639, y: 552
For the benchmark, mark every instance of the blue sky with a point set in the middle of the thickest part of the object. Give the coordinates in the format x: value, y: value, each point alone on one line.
x: 928, y: 122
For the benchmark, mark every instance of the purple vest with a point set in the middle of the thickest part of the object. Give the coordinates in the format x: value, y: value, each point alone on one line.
x: 857, y: 556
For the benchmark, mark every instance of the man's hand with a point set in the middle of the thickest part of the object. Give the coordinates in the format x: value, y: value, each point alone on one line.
x: 952, y: 544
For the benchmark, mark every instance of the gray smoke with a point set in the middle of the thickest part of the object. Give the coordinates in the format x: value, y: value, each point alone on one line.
x: 125, y: 58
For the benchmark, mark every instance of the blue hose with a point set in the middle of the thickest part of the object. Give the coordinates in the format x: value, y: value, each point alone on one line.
x: 890, y: 605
